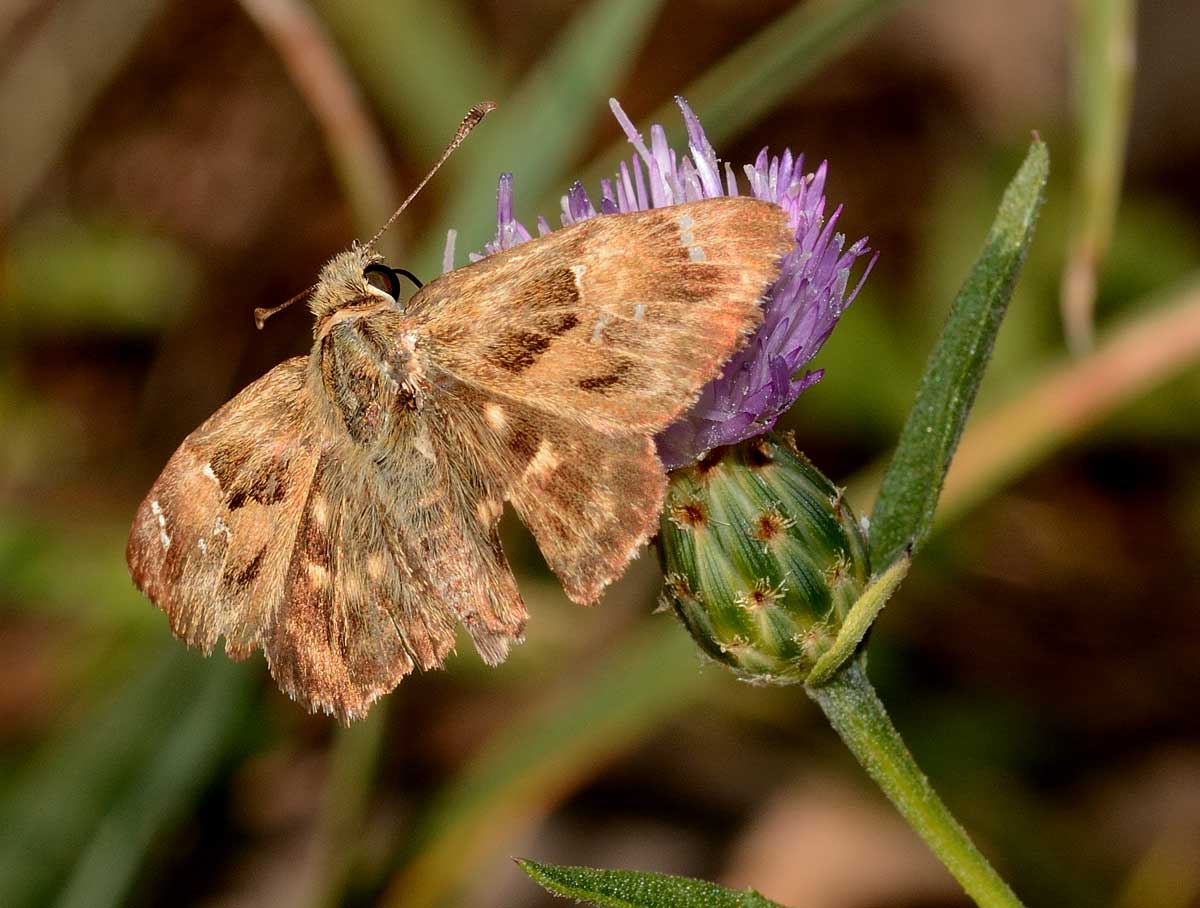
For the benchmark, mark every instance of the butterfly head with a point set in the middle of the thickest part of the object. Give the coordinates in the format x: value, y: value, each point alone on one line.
x: 354, y: 283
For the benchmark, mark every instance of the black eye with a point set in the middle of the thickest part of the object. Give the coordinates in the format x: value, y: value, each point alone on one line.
x: 381, y: 277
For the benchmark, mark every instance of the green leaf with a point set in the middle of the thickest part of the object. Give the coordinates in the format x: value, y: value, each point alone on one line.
x: 543, y: 124
x: 632, y: 889
x: 858, y: 621
x: 748, y: 83
x: 192, y: 744
x: 904, y: 510
x: 417, y: 59
x: 542, y: 756
x: 1104, y: 70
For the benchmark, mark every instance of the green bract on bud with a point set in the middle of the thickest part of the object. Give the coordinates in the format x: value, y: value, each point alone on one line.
x: 763, y: 558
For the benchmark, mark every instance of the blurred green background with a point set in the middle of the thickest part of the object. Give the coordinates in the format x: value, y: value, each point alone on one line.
x: 165, y: 167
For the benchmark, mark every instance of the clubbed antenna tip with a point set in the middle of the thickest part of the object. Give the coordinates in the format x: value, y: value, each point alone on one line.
x: 469, y: 122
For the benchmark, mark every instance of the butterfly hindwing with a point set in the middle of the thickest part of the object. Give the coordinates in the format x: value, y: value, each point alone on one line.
x: 590, y: 499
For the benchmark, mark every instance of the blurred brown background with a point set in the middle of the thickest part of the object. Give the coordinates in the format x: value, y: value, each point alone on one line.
x: 166, y: 166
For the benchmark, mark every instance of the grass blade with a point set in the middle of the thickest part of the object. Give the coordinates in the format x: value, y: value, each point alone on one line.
x: 745, y: 86
x: 88, y: 808
x: 903, y: 513
x: 1104, y: 69
x: 51, y: 808
x: 748, y: 83
x: 1073, y: 396
x: 416, y: 58
x: 78, y: 50
x: 345, y: 804
x: 540, y: 758
x: 540, y: 129
x: 189, y: 755
x: 1065, y: 400
x: 357, y: 151
x: 632, y: 889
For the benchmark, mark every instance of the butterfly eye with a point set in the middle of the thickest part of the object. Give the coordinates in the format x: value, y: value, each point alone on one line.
x: 381, y: 277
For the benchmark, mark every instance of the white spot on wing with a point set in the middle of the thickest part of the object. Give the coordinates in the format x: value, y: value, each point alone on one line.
x: 163, y: 536
x: 320, y: 510
x: 375, y: 566
x: 423, y: 444
x: 685, y: 222
x: 208, y: 471
x: 598, y: 329
x: 639, y: 312
x: 317, y: 574
x: 544, y: 461
x: 435, y: 495
x: 487, y: 510
x: 494, y: 413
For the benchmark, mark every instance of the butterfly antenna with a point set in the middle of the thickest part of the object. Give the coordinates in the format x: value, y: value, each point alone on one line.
x: 470, y: 121
x: 261, y: 315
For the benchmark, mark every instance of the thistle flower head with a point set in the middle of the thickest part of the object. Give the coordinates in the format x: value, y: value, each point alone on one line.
x: 764, y: 378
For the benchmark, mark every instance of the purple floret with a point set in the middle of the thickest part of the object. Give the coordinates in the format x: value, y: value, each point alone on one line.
x: 764, y: 378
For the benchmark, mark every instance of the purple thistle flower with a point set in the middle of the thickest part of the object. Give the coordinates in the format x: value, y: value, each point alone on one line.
x: 762, y: 379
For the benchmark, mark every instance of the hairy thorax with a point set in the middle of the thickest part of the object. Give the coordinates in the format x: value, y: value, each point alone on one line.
x: 370, y: 368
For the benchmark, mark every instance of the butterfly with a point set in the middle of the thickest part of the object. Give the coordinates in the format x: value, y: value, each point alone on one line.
x: 340, y: 513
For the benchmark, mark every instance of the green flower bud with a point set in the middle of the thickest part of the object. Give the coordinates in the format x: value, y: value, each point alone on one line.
x: 763, y: 558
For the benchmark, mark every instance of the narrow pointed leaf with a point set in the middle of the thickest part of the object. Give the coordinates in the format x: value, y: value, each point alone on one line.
x: 1104, y: 70
x: 542, y: 125
x: 633, y: 889
x: 858, y: 621
x: 191, y: 742
x: 748, y: 83
x: 907, y: 500
x: 543, y: 756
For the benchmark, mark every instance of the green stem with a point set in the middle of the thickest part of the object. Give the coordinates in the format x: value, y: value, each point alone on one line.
x: 856, y: 712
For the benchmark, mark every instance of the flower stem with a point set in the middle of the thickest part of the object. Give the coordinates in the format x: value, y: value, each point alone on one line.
x: 856, y: 712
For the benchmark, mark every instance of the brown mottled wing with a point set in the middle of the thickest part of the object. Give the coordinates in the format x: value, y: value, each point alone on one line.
x: 386, y: 562
x: 592, y: 505
x: 267, y: 532
x: 590, y: 499
x: 616, y: 322
x: 211, y: 543
x: 578, y: 346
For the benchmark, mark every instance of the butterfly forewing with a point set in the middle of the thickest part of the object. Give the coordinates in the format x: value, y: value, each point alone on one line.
x: 616, y: 322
